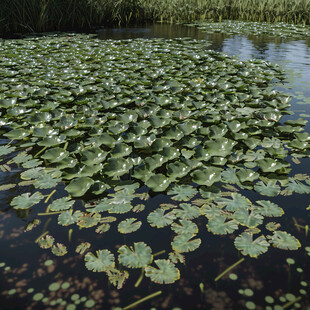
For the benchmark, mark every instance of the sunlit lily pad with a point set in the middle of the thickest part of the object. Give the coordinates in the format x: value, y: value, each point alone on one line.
x: 184, y: 226
x: 79, y: 186
x: 187, y: 211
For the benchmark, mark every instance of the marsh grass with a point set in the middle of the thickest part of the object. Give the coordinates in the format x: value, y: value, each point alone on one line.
x: 50, y: 15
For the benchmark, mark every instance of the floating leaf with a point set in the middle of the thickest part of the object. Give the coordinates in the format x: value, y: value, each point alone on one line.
x: 102, y: 261
x: 46, y: 181
x: 236, y: 203
x: 61, y: 204
x: 138, y: 257
x: 269, y: 208
x: 185, y: 226
x: 103, y: 228
x: 187, y: 211
x: 33, y: 224
x: 284, y: 241
x: 79, y: 186
x: 82, y: 247
x: 46, y: 242
x: 159, y: 219
x: 298, y: 187
x: 129, y: 225
x: 67, y: 217
x: 206, y: 176
x: 182, y: 192
x: 272, y: 226
x: 59, y: 249
x: 158, y: 182
x: 271, y: 189
x: 183, y: 243
x: 88, y: 220
x: 248, y: 218
x: 6, y: 149
x: 26, y: 201
x: 166, y: 273
x: 220, y: 226
x: 248, y: 246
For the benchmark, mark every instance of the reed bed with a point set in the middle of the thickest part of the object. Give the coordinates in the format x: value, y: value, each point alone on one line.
x: 51, y: 15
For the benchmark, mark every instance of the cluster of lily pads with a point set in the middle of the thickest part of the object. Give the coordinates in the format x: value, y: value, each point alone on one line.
x: 229, y: 27
x: 109, y: 117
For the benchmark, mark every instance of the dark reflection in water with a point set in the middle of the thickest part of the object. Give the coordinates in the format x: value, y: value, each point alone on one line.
x: 267, y: 276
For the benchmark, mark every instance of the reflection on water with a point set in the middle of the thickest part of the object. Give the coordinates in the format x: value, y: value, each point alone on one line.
x: 196, y: 289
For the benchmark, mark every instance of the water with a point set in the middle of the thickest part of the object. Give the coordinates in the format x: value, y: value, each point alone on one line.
x: 25, y: 265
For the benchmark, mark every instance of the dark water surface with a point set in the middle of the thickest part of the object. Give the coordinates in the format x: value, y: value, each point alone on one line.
x: 23, y: 263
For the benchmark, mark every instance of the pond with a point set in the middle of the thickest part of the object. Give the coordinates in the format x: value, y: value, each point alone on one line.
x: 217, y: 139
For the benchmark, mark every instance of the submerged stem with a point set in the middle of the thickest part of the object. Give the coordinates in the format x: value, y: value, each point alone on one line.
x: 228, y: 269
x: 142, y: 300
x: 140, y: 278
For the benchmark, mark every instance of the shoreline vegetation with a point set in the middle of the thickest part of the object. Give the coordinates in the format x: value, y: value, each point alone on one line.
x: 29, y: 16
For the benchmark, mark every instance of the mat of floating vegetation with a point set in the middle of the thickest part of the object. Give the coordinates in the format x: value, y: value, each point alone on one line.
x: 279, y: 30
x: 109, y: 117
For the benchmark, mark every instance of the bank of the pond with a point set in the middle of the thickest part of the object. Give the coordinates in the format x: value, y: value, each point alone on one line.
x: 24, y: 16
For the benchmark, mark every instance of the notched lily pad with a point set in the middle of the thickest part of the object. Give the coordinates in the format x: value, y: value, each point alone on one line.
x: 166, y: 273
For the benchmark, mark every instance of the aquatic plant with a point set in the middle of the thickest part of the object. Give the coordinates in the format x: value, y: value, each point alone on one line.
x: 231, y: 27
x: 50, y: 15
x: 109, y: 117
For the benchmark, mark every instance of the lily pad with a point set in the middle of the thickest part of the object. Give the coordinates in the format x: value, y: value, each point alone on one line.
x: 102, y: 261
x: 166, y: 273
x: 129, y: 225
x: 138, y: 257
x: 249, y: 246
x: 26, y: 201
x: 284, y: 241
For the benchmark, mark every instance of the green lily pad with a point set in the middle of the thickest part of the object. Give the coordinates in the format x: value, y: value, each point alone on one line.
x: 68, y: 217
x: 100, y: 262
x: 206, y: 176
x: 268, y: 208
x: 248, y: 218
x: 166, y: 273
x: 138, y: 257
x: 55, y: 154
x: 185, y: 243
x: 59, y: 249
x: 185, y: 226
x: 82, y: 247
x: 187, y: 211
x: 158, y: 182
x: 129, y: 225
x: 182, y: 192
x: 236, y: 203
x: 159, y: 218
x: 284, y: 240
x: 46, y: 181
x: 79, y: 186
x: 61, y: 204
x: 219, y: 226
x: 249, y: 246
x: 271, y: 189
x: 26, y: 201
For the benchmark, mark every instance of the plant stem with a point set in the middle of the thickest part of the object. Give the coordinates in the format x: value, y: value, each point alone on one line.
x: 228, y: 269
x: 142, y: 300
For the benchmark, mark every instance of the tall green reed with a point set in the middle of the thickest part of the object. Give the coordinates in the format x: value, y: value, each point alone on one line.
x: 50, y: 15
